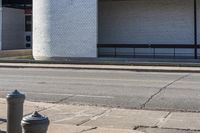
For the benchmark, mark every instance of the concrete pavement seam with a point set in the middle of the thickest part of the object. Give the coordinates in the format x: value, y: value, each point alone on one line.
x: 168, y: 110
x: 155, y: 127
x: 160, y: 90
x: 179, y: 129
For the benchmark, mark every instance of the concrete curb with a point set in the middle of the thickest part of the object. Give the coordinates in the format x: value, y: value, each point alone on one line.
x: 102, y: 61
x: 103, y: 67
x: 137, y: 64
x: 27, y: 58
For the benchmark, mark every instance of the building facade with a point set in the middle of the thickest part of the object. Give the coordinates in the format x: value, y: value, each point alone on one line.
x: 16, y: 24
x: 102, y: 28
x: 120, y: 28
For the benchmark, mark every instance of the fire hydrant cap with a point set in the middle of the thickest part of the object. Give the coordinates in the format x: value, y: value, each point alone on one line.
x: 35, y: 118
x: 15, y: 94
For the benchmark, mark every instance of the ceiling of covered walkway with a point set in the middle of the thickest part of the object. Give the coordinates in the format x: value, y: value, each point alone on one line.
x: 17, y: 3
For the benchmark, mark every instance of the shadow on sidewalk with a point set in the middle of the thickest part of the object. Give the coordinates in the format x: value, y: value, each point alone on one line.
x: 2, y: 120
x: 2, y: 131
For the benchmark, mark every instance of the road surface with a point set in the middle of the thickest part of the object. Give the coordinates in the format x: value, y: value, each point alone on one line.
x: 124, y: 89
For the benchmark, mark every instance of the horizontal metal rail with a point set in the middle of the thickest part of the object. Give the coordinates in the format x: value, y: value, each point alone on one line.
x: 147, y: 46
x: 152, y: 46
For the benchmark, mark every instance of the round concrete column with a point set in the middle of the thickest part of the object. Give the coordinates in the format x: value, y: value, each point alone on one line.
x: 64, y: 29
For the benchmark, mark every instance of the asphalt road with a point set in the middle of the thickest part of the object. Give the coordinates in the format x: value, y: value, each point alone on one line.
x: 124, y: 89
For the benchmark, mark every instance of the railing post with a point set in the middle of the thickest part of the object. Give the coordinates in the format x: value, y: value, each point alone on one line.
x: 15, y: 102
x: 35, y: 123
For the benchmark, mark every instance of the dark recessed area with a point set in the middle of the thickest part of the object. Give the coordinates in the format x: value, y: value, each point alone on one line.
x: 21, y: 4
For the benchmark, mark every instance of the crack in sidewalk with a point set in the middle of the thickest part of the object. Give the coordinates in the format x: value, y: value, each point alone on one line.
x: 140, y: 126
x: 164, y: 119
x: 161, y: 89
x: 94, y: 117
x: 86, y: 130
x: 54, y: 104
x: 64, y: 99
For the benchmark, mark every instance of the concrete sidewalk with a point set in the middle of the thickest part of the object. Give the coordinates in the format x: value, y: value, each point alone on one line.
x: 90, y: 119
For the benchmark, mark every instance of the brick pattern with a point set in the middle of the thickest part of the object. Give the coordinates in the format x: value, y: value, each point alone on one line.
x: 67, y: 28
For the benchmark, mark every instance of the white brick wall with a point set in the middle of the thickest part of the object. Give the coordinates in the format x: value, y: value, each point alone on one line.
x: 65, y: 28
x: 147, y: 22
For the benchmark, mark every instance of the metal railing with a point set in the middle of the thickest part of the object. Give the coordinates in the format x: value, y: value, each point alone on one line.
x: 150, y: 46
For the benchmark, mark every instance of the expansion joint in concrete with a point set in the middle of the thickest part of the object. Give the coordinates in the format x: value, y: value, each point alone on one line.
x: 163, y: 128
x: 178, y: 129
x: 161, y: 89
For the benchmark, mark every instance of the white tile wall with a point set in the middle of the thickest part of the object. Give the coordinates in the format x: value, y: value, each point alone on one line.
x: 65, y: 28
